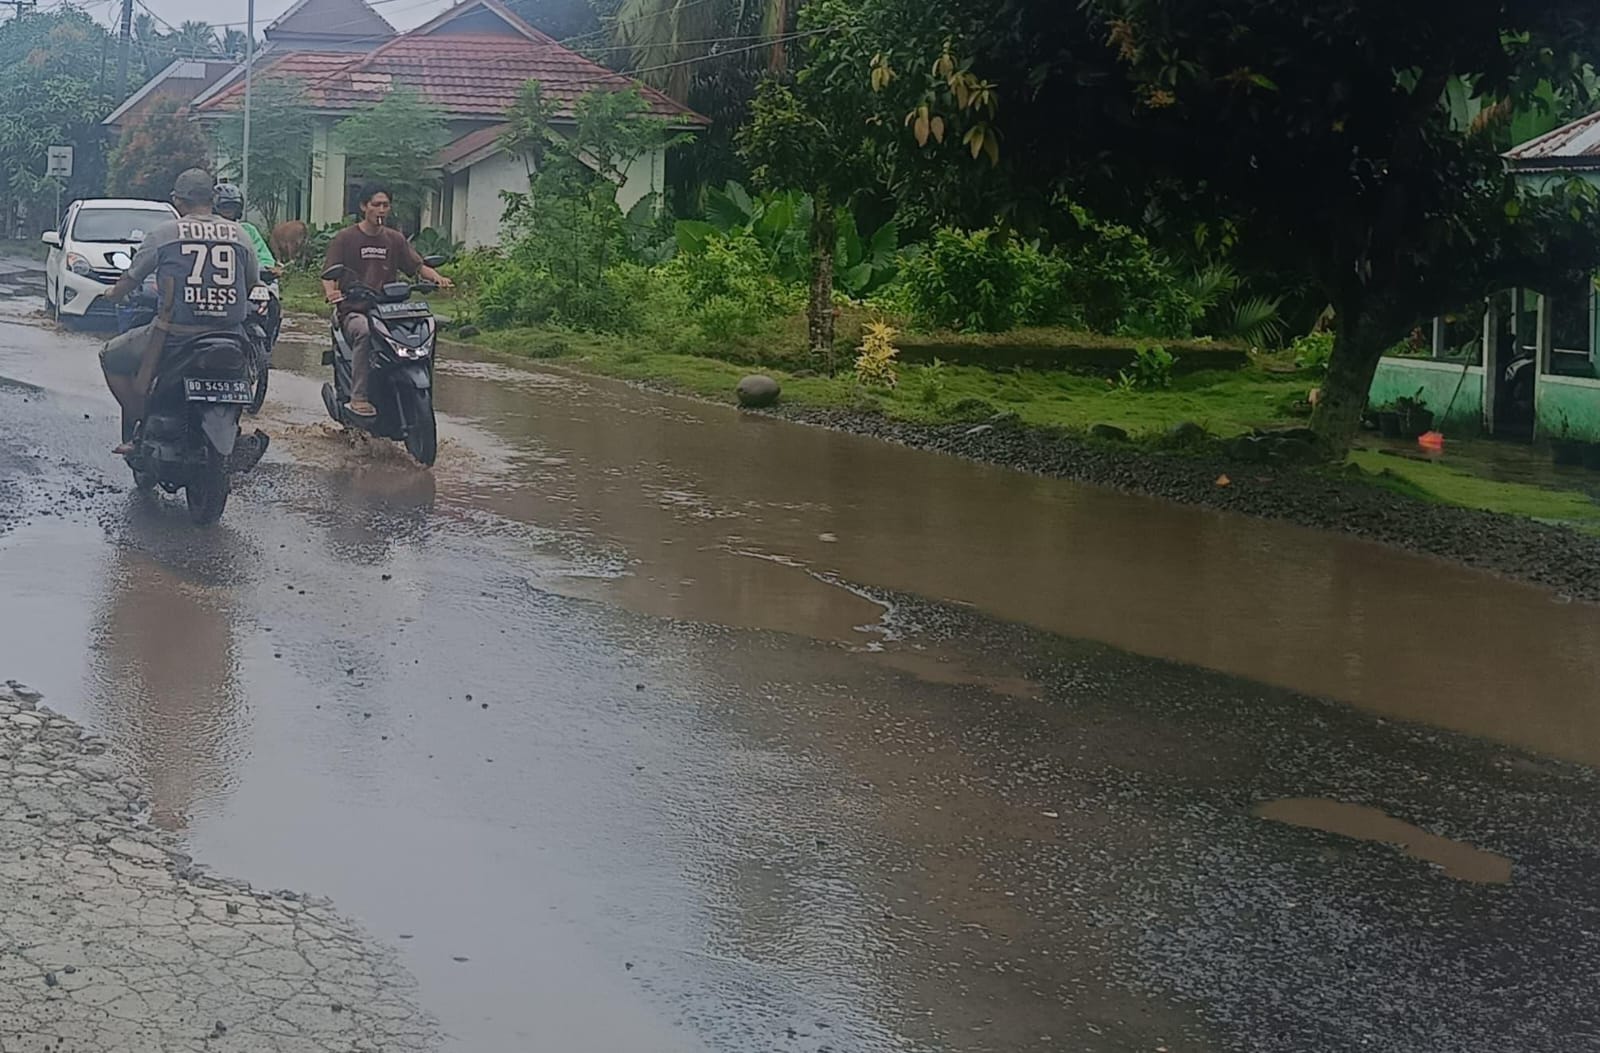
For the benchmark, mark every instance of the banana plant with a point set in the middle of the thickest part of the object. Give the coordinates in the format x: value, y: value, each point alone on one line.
x: 779, y: 222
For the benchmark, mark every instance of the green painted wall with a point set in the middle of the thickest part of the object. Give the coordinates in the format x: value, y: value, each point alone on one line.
x: 1440, y: 383
x: 1568, y: 407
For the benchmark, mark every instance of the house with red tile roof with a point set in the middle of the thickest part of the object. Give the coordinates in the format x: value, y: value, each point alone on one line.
x: 182, y: 80
x: 470, y: 63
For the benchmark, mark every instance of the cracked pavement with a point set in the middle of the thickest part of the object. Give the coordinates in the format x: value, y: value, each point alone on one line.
x: 112, y: 940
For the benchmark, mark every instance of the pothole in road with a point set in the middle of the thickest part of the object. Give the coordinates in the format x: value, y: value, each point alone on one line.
x: 1457, y: 859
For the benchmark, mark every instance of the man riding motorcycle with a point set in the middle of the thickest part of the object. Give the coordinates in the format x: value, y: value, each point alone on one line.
x: 229, y: 204
x: 372, y: 254
x: 204, y: 268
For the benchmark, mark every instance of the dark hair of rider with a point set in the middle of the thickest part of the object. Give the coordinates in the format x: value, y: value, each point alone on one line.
x: 372, y: 190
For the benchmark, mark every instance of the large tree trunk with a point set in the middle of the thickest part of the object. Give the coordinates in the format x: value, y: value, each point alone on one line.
x: 1358, y: 343
x: 819, y: 311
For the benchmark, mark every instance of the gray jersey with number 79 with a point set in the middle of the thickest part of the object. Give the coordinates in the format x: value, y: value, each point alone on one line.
x: 205, y: 268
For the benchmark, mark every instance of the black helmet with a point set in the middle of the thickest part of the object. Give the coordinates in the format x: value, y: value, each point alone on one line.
x: 228, y: 201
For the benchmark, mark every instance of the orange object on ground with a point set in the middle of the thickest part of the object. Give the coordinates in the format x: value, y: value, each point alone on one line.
x: 1431, y: 440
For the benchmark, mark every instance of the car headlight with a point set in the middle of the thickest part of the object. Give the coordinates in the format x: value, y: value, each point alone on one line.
x: 79, y: 265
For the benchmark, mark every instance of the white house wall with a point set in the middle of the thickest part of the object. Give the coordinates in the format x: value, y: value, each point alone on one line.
x: 480, y: 217
x: 461, y: 183
x: 327, y: 161
x: 474, y: 214
x: 646, y: 175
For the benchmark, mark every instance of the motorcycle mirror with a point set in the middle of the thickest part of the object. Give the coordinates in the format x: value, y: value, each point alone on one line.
x: 334, y: 273
x: 120, y: 260
x: 434, y: 261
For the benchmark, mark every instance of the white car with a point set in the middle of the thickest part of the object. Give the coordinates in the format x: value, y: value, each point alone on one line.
x: 78, y: 270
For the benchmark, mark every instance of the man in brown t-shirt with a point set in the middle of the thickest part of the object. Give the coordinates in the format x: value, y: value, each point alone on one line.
x: 373, y: 254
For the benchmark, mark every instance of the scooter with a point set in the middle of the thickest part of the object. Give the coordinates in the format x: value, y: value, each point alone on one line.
x: 191, y: 424
x: 261, y: 326
x: 400, y: 380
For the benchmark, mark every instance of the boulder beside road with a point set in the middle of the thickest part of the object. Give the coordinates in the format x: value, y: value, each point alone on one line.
x: 758, y: 391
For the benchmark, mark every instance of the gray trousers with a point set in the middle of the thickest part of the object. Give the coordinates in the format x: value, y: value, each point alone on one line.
x: 358, y: 333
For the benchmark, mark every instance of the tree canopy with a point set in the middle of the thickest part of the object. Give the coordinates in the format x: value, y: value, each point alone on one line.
x: 280, y: 143
x: 1320, y: 133
x: 154, y: 150
x: 1325, y: 130
x: 49, y: 65
x: 395, y: 142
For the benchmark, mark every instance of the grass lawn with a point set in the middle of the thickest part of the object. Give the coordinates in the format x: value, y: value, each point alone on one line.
x: 1436, y: 481
x: 1225, y: 403
x: 302, y: 292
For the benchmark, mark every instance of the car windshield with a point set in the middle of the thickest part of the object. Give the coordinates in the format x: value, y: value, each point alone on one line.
x: 116, y: 224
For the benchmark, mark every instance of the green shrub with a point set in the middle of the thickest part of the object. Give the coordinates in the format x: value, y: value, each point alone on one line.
x: 927, y: 385
x: 780, y: 222
x: 520, y: 293
x: 431, y: 242
x: 985, y: 280
x: 508, y: 297
x: 1151, y: 369
x: 1312, y: 351
x: 727, y: 290
x: 1120, y: 284
x: 471, y: 271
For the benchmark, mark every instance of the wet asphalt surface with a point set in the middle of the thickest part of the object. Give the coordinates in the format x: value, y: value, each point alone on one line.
x: 634, y: 726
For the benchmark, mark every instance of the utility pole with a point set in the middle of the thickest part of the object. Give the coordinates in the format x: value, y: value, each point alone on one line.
x: 22, y: 6
x: 122, y: 49
x: 249, y: 63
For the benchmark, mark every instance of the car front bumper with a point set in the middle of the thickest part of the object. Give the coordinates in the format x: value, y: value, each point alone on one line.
x: 80, y: 297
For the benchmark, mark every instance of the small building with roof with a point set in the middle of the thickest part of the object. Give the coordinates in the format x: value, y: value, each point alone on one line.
x: 470, y: 64
x: 1525, y: 364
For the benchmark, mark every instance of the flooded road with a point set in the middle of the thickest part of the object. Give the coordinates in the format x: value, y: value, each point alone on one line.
x: 639, y: 724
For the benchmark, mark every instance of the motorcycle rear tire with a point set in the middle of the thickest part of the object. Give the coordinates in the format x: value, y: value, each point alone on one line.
x: 422, y: 435
x: 207, y: 492
x: 258, y: 396
x: 144, y: 480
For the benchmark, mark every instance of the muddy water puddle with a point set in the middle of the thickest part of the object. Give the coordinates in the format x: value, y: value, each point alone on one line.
x: 691, y: 491
x: 1362, y: 823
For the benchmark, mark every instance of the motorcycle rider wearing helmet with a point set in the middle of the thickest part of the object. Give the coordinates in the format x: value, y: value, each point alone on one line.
x: 229, y: 204
x: 225, y: 270
x: 372, y: 254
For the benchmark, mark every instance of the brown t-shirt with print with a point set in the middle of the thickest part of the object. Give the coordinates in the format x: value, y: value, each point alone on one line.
x: 372, y: 259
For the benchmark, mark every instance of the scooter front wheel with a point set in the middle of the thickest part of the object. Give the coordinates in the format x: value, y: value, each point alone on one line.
x: 330, y: 402
x: 422, y: 433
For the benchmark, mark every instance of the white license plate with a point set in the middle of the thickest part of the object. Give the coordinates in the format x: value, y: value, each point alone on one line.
x: 200, y: 389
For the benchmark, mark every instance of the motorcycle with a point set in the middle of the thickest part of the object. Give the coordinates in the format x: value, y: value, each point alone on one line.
x: 400, y: 379
x: 261, y: 326
x: 191, y: 424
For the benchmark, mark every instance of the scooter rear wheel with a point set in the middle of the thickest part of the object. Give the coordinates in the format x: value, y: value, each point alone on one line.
x: 207, y: 492
x: 258, y: 396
